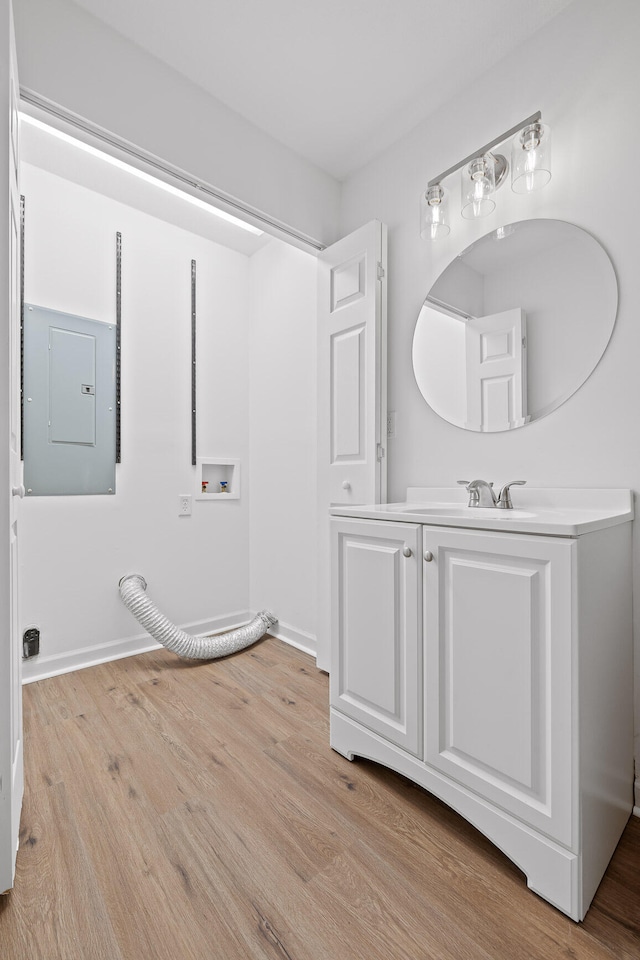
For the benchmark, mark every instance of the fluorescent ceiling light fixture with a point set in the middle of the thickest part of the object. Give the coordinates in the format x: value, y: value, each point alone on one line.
x: 141, y: 175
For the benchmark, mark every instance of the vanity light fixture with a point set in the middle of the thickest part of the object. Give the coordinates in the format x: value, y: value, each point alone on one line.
x: 484, y: 171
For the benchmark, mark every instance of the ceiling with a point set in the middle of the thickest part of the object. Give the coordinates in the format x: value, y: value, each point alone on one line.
x: 337, y: 81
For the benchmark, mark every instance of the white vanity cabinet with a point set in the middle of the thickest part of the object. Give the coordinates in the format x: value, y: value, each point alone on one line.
x: 494, y: 669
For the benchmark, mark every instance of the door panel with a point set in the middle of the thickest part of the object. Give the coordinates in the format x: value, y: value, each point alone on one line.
x: 348, y: 406
x: 351, y: 367
x: 352, y: 399
x: 376, y: 624
x: 473, y: 713
x: 498, y: 648
x: 348, y: 281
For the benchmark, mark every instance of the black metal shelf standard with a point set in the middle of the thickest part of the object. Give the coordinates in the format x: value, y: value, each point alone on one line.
x: 193, y: 363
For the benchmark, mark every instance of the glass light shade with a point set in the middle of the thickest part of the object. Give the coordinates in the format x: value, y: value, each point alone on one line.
x: 478, y: 184
x: 531, y: 158
x: 433, y: 214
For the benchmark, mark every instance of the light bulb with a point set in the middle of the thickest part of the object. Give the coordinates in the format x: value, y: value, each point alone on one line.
x: 478, y: 183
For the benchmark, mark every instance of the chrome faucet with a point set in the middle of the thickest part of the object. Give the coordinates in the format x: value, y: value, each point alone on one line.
x: 481, y: 494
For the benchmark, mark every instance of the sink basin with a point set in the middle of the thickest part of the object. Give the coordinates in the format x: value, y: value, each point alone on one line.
x: 455, y: 510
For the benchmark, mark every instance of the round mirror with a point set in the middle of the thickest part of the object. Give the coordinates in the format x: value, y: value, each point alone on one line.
x: 514, y: 325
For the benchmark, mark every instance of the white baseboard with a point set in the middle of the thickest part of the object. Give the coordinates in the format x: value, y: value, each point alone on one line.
x: 41, y: 667
x: 636, y: 794
x: 295, y: 638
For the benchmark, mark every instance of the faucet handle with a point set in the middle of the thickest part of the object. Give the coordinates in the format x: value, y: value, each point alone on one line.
x: 474, y: 493
x: 504, y: 497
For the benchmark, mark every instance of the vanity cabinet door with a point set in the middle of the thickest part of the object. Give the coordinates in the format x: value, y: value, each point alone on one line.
x: 376, y: 617
x: 498, y: 642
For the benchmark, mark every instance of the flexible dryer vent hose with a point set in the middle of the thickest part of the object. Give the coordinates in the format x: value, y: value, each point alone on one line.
x: 132, y: 591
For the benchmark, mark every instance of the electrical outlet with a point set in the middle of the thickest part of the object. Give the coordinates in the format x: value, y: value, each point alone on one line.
x: 391, y: 424
x: 30, y: 642
x: 184, y: 505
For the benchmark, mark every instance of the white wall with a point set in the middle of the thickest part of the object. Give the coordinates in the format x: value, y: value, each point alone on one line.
x: 583, y: 72
x: 442, y: 372
x: 283, y: 439
x: 73, y: 59
x: 73, y: 550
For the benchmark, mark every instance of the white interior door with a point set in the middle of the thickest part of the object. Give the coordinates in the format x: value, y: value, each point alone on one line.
x: 11, y: 774
x: 495, y: 348
x: 352, y: 396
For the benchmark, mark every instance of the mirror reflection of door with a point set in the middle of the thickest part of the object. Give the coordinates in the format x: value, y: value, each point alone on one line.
x: 561, y: 279
x: 496, y: 381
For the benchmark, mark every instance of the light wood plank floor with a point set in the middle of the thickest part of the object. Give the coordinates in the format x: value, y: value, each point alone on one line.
x: 190, y: 812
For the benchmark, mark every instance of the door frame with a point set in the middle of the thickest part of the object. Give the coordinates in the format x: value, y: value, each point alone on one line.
x: 11, y: 738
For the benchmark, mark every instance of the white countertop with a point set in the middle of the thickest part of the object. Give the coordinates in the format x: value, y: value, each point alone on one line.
x: 560, y: 512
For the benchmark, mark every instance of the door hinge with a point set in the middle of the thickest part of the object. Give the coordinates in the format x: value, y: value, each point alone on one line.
x: 379, y: 451
x: 381, y: 273
x: 524, y: 342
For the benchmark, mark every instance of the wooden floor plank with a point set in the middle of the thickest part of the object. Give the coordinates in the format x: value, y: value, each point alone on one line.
x: 196, y: 811
x: 456, y: 869
x: 56, y: 908
x: 144, y: 884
